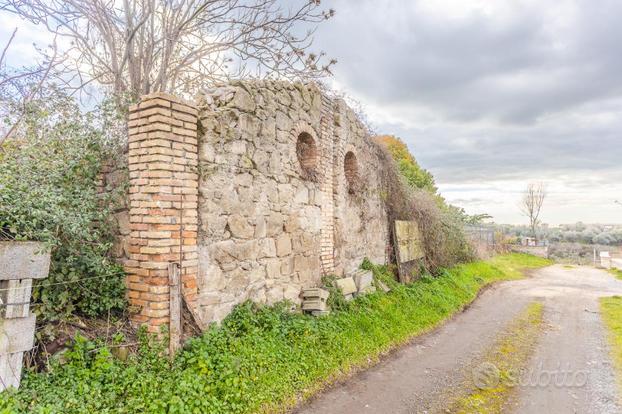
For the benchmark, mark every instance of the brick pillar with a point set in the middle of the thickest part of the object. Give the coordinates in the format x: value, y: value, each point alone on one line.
x: 163, y: 159
x: 327, y: 231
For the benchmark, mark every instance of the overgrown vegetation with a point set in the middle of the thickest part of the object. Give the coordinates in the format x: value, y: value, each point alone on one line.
x: 611, y: 310
x: 410, y: 194
x: 48, y: 183
x: 260, y: 358
x: 415, y: 176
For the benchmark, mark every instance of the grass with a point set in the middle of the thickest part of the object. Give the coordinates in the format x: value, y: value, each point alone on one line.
x: 616, y: 272
x: 491, y: 387
x: 261, y: 359
x: 611, y: 312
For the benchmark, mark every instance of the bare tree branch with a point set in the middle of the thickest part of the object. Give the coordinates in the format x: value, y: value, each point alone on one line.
x: 19, y: 87
x: 531, y: 204
x: 143, y: 46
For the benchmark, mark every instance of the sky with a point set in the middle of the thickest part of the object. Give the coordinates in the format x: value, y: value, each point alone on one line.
x: 488, y: 95
x: 492, y: 95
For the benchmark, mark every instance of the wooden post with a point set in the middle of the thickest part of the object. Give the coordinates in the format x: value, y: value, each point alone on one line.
x: 175, y: 308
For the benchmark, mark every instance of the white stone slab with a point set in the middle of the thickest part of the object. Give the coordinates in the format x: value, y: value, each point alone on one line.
x: 363, y: 280
x: 10, y: 370
x: 346, y: 285
x: 15, y: 298
x: 23, y: 260
x: 17, y: 335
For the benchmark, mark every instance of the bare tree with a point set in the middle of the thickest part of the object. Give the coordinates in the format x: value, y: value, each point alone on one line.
x: 142, y: 46
x: 19, y: 87
x: 531, y: 204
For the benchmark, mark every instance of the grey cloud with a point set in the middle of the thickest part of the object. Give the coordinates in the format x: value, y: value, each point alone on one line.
x: 512, y: 70
x: 481, y: 98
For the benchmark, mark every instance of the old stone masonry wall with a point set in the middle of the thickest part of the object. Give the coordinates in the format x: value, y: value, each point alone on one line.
x: 253, y: 192
x: 288, y: 191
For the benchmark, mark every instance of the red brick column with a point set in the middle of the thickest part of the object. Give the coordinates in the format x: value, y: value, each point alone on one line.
x: 327, y: 186
x: 163, y: 159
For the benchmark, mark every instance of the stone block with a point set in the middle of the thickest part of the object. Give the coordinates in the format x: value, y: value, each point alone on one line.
x: 15, y: 297
x: 283, y: 245
x: 10, y: 370
x: 314, y: 305
x: 346, y: 285
x: 292, y: 293
x: 243, y: 101
x: 363, y: 280
x: 23, y: 260
x: 273, y: 268
x: 267, y: 248
x: 318, y: 293
x: 17, y: 335
x: 320, y: 313
x: 240, y: 227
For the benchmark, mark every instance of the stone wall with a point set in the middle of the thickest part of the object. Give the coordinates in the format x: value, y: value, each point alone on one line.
x: 256, y: 192
x: 288, y: 191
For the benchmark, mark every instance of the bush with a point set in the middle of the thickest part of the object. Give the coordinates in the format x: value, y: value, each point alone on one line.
x: 440, y: 224
x: 49, y: 193
x: 414, y: 175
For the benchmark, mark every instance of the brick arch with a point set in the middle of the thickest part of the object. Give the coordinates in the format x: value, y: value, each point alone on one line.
x: 308, y: 150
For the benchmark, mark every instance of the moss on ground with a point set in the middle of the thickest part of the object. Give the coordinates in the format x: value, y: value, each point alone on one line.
x: 611, y: 312
x: 492, y: 382
x: 261, y: 359
x: 616, y: 272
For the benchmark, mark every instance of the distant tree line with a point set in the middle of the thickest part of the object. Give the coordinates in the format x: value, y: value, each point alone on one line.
x: 606, y: 234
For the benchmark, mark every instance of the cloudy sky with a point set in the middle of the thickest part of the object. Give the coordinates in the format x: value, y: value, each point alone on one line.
x: 488, y: 95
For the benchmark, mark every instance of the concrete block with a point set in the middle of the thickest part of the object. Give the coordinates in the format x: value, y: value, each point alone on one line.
x: 363, y: 280
x: 315, y: 293
x: 349, y: 297
x: 15, y: 298
x: 320, y: 313
x: 346, y: 285
x: 314, y: 305
x: 10, y: 370
x: 17, y: 335
x: 23, y: 260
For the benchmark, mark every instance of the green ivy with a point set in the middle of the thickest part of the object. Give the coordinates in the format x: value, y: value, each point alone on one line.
x: 49, y: 193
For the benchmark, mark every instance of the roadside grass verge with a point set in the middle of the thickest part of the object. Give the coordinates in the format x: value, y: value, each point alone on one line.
x: 261, y: 359
x: 616, y: 272
x: 492, y: 382
x: 611, y: 312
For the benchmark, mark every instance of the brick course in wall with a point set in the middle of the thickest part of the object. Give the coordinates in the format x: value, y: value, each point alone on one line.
x: 327, y: 231
x: 163, y: 193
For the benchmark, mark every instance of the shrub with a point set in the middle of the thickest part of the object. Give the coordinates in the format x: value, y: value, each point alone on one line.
x: 48, y: 193
x: 407, y: 165
x: 441, y: 225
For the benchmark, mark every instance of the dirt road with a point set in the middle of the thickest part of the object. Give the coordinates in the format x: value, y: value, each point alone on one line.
x: 569, y: 372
